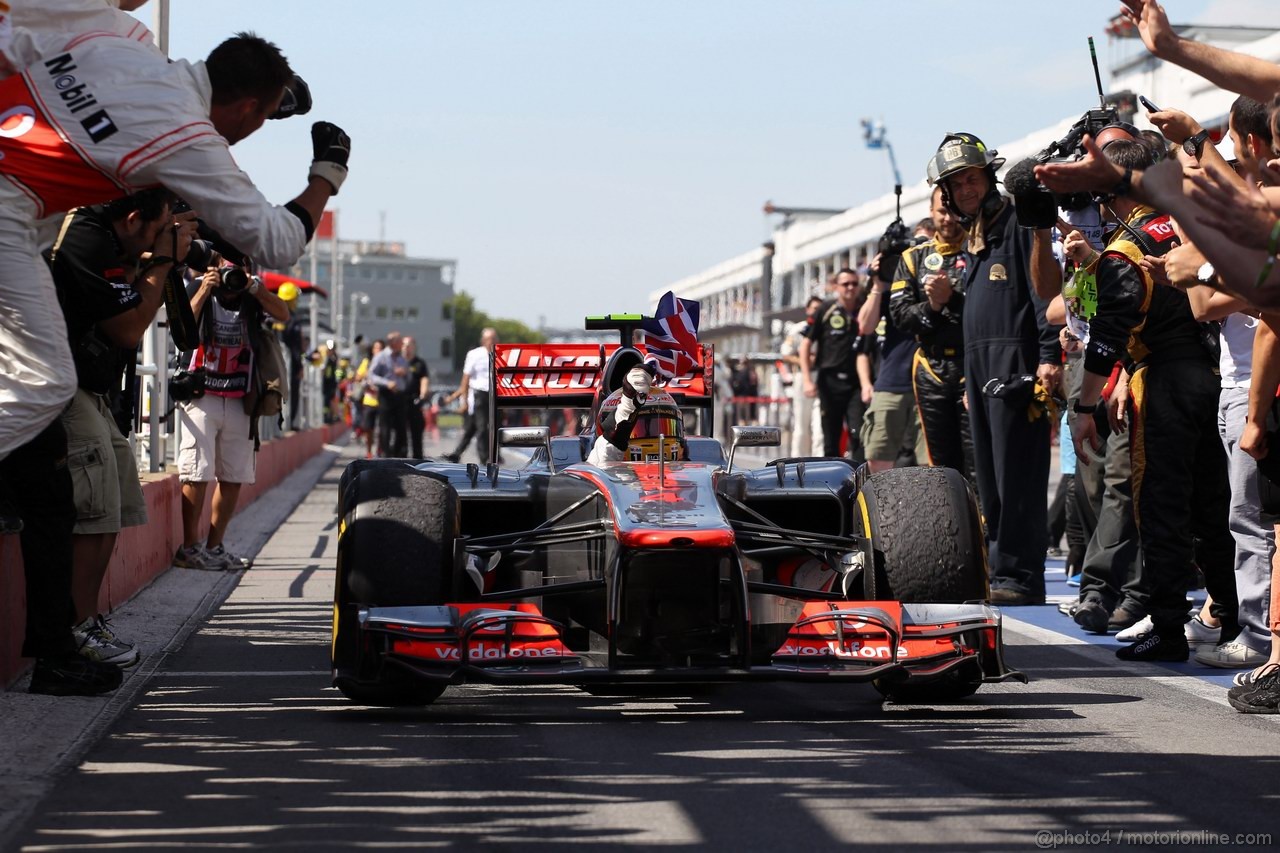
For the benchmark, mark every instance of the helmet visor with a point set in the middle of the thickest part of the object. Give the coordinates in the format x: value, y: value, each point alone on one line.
x: 652, y: 426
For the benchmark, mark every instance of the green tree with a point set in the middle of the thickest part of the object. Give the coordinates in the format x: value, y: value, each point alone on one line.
x: 469, y: 322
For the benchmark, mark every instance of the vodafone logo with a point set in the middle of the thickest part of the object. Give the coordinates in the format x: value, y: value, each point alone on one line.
x: 17, y: 121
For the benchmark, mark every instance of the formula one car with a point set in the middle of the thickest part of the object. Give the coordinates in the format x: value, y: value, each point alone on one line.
x: 654, y: 570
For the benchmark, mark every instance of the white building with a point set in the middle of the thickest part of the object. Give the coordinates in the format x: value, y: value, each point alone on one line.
x: 745, y: 298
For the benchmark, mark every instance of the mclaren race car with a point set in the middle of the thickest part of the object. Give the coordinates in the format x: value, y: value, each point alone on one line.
x: 662, y: 568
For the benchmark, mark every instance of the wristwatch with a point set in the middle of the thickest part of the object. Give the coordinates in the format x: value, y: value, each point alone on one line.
x: 1205, y: 274
x: 1081, y: 409
x: 254, y: 287
x: 1195, y: 144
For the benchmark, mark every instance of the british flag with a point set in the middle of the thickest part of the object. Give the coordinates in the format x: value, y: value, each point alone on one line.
x: 671, y: 336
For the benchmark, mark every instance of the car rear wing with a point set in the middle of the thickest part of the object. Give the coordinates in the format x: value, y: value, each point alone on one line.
x: 545, y: 376
x: 568, y: 375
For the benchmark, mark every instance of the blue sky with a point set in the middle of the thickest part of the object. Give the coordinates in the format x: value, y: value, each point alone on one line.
x: 574, y: 155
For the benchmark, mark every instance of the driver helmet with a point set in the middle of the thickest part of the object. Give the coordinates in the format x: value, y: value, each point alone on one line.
x: 657, y: 420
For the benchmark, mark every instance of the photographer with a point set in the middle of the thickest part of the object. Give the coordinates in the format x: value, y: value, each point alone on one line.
x: 927, y: 300
x: 1011, y: 274
x: 217, y: 431
x: 1180, y: 488
x: 109, y: 265
x: 155, y: 122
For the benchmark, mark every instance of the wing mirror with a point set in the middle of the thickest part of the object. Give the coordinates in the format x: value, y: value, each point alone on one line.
x: 531, y: 436
x: 751, y: 436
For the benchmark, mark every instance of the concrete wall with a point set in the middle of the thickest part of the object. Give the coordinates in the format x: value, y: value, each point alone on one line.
x: 144, y: 553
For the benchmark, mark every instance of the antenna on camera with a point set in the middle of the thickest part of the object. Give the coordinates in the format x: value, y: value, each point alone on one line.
x: 1097, y: 77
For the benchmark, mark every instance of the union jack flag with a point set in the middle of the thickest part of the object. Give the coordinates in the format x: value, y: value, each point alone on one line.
x: 671, y: 336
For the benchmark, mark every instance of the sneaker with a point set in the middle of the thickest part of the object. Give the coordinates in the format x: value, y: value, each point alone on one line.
x: 73, y: 675
x: 194, y: 557
x: 1200, y: 634
x: 1123, y: 617
x: 1232, y: 655
x: 1056, y: 553
x: 1137, y: 632
x: 1262, y: 697
x: 1157, y: 646
x: 95, y: 641
x: 225, y: 559
x: 1251, y: 676
x: 1069, y: 608
x: 1092, y: 616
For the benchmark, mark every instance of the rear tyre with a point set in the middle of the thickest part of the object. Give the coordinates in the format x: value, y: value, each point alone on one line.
x: 926, y: 536
x: 354, y: 468
x: 395, y: 549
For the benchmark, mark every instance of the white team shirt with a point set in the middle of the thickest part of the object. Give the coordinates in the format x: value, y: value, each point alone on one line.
x: 96, y: 116
x: 1236, y: 362
x: 476, y: 367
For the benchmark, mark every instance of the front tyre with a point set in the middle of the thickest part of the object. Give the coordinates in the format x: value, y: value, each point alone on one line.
x: 926, y: 535
x: 395, y: 549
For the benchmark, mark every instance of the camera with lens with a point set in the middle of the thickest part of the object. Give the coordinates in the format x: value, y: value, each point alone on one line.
x: 187, y: 385
x: 232, y: 281
x: 1035, y: 205
x: 895, y: 240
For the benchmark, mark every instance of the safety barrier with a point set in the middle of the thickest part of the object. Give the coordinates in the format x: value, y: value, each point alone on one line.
x: 144, y: 553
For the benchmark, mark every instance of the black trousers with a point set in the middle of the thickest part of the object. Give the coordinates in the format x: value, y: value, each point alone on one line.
x: 1011, y: 461
x: 37, y: 482
x: 476, y: 425
x: 841, y: 405
x: 393, y: 423
x: 939, y: 390
x: 416, y: 423
x: 1181, y: 496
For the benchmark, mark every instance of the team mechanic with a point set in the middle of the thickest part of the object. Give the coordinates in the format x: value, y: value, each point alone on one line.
x: 843, y: 366
x: 1180, y: 488
x: 1009, y: 277
x: 927, y: 300
x: 97, y: 116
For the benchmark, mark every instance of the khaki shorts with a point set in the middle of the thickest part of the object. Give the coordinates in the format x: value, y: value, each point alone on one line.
x: 104, y: 473
x: 215, y: 441
x: 890, y: 423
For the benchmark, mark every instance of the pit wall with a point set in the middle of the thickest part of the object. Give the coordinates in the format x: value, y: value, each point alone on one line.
x: 144, y: 553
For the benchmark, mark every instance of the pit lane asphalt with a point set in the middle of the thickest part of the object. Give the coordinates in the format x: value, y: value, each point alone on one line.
x: 229, y: 736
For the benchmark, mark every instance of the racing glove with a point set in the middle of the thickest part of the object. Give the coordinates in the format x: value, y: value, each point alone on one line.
x: 331, y: 147
x: 636, y: 384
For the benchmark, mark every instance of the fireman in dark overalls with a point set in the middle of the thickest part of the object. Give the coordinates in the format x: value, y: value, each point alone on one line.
x: 1181, y: 495
x: 1010, y: 276
x: 927, y: 300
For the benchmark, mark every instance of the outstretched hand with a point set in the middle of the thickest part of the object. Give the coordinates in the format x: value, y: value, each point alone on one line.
x: 1091, y: 173
x: 1236, y: 208
x: 1152, y: 23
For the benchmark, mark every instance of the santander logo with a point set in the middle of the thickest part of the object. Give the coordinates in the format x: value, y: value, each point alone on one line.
x: 17, y: 121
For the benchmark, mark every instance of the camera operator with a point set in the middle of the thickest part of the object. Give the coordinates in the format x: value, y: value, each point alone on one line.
x: 1180, y: 488
x: 217, y: 431
x: 1011, y: 274
x: 149, y: 122
x: 109, y: 265
x: 927, y: 300
x: 842, y: 363
x: 890, y: 429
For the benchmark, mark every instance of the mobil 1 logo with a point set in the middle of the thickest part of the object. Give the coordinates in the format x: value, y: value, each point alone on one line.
x: 77, y: 98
